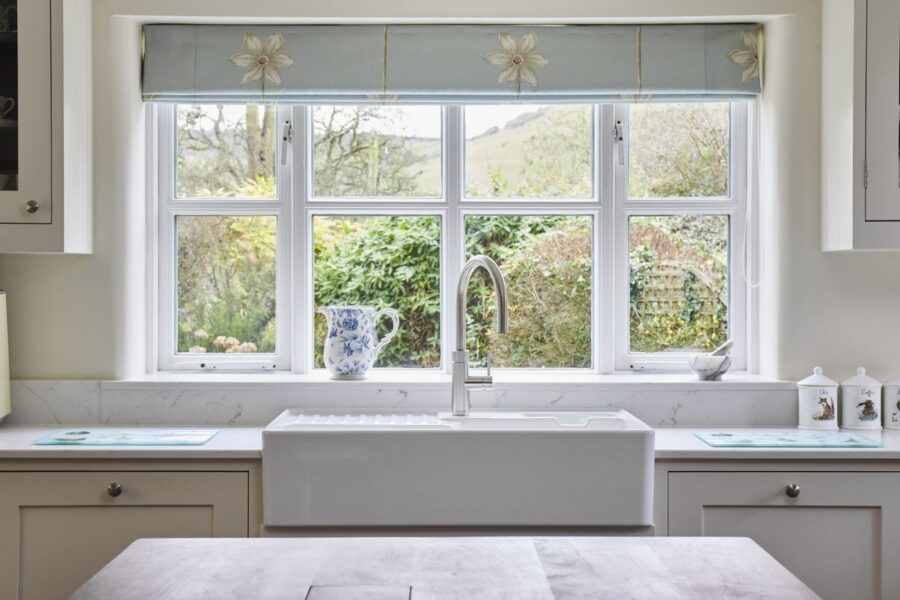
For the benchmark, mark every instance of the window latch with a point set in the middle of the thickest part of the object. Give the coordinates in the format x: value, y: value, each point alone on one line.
x: 619, y: 139
x: 287, y: 136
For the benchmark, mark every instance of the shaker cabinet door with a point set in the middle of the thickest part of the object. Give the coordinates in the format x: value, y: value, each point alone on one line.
x: 840, y: 534
x: 65, y: 526
x: 883, y: 110
x: 25, y: 111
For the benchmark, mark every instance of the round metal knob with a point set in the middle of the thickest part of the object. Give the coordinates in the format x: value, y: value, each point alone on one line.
x: 32, y: 207
x: 792, y: 490
x: 114, y: 489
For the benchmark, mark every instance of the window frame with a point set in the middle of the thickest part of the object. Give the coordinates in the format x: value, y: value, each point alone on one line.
x: 734, y: 205
x: 170, y: 207
x: 296, y: 206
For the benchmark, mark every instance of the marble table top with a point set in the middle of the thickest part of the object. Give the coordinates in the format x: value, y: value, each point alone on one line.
x: 427, y: 568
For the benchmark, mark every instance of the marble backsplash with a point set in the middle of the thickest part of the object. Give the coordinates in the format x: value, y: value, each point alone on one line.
x: 93, y: 403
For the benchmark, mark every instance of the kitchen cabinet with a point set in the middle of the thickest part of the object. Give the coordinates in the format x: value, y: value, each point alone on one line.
x: 65, y: 525
x: 45, y: 126
x: 860, y: 127
x: 838, y: 531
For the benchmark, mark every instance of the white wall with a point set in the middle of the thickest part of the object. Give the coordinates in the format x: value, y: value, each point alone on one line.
x: 83, y: 317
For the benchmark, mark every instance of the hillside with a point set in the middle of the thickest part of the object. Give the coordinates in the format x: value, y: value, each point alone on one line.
x: 497, y: 150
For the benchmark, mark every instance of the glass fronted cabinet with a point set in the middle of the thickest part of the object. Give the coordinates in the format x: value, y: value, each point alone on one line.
x: 9, y: 88
x: 25, y: 112
x: 46, y: 126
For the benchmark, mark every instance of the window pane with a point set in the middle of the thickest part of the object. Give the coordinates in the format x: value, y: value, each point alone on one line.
x: 678, y: 282
x: 226, y: 284
x: 387, y: 262
x: 523, y: 151
x: 546, y: 261
x: 678, y: 150
x: 225, y: 151
x: 377, y: 151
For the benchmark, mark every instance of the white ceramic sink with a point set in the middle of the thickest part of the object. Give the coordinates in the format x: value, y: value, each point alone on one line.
x: 525, y: 469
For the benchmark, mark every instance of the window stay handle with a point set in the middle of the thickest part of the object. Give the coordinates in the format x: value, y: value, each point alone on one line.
x: 619, y: 138
x: 287, y: 134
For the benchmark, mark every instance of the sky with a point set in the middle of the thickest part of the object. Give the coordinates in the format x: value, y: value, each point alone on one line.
x: 425, y: 121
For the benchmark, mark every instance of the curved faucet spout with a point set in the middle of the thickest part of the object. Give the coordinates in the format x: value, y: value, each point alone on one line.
x: 465, y: 276
x: 459, y: 394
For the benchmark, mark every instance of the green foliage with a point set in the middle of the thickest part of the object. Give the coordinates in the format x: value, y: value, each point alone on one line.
x: 678, y: 150
x: 226, y: 265
x: 546, y: 261
x: 664, y: 332
x: 226, y: 284
x: 548, y: 275
x: 694, y: 247
x: 387, y: 262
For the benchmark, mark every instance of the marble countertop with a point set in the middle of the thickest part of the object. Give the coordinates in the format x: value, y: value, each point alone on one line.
x: 439, y: 568
x: 246, y: 443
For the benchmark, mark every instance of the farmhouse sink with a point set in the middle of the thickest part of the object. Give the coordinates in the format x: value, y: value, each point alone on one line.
x: 519, y: 469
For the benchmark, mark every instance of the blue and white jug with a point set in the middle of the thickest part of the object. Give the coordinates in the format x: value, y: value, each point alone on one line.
x: 352, y: 345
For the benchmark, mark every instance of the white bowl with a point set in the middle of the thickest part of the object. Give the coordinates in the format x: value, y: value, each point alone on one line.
x: 709, y: 368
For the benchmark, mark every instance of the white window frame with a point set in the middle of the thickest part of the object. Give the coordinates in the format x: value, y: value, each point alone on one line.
x: 171, y: 207
x: 734, y: 206
x: 296, y: 206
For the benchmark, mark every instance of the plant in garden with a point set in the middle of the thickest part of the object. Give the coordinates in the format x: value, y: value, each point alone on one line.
x: 226, y: 277
x: 546, y: 261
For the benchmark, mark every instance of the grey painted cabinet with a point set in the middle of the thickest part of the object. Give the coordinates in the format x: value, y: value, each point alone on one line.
x: 64, y: 526
x: 840, y: 534
x: 46, y: 126
x: 860, y: 132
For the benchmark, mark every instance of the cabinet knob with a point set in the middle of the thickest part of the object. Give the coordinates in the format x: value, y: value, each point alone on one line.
x: 114, y: 489
x: 792, y: 490
x: 32, y: 207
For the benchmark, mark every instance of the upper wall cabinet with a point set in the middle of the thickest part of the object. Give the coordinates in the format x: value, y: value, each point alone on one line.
x: 45, y: 126
x: 861, y: 125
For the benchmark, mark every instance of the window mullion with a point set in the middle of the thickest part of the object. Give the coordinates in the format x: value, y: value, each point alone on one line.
x: 604, y: 245
x: 301, y: 149
x: 453, y: 246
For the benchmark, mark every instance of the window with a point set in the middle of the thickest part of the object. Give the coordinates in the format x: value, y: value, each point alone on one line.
x: 620, y: 251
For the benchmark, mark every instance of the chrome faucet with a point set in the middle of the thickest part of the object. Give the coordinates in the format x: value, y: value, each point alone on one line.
x: 459, y: 406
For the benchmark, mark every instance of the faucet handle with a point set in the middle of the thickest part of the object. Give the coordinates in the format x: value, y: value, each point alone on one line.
x: 483, y: 380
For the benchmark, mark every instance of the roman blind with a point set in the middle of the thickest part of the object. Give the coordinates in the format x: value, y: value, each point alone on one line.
x: 449, y: 63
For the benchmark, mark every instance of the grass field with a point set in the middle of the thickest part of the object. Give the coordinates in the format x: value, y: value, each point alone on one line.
x: 502, y: 153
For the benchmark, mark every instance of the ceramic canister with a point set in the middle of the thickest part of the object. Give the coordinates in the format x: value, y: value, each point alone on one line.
x: 861, y: 402
x: 818, y: 401
x: 892, y: 403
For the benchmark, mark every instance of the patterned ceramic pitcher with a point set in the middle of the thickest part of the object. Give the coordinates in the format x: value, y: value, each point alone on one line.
x: 352, y: 345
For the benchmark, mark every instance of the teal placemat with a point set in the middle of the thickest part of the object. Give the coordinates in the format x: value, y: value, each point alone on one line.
x: 127, y: 437
x: 792, y: 438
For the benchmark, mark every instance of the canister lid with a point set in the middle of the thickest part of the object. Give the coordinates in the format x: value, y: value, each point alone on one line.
x: 817, y: 379
x: 894, y: 381
x: 861, y: 379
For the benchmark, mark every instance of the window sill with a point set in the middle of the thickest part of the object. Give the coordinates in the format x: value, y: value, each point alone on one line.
x: 433, y: 379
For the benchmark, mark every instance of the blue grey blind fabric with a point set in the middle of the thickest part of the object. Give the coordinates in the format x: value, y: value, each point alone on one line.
x: 315, y: 64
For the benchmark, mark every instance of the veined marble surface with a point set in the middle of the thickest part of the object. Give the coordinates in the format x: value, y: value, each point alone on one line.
x: 233, y: 443
x: 224, y: 403
x: 444, y: 568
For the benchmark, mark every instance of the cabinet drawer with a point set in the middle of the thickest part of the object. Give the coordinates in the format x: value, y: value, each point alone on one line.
x: 72, y: 523
x: 839, y: 534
